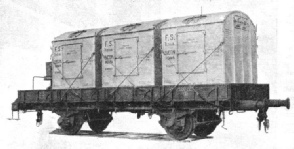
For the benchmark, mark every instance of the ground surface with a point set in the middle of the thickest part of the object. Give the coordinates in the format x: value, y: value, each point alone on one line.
x: 125, y: 131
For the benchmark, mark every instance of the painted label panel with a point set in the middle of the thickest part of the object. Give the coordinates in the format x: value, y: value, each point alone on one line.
x: 71, y: 57
x: 123, y: 53
x: 190, y: 52
x: 241, y: 22
x: 190, y: 47
x: 126, y: 56
x: 71, y: 61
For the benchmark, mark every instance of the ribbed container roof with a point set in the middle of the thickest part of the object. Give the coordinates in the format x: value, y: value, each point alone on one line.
x: 129, y: 28
x: 136, y: 27
x: 196, y: 19
x: 78, y: 34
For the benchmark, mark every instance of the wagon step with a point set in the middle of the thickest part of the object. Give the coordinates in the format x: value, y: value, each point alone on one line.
x: 12, y: 117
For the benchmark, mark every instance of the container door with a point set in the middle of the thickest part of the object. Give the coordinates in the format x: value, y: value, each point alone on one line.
x: 191, y: 51
x: 71, y: 61
x: 126, y: 56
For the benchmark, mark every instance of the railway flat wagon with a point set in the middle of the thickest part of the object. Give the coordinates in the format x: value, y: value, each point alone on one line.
x: 187, y: 70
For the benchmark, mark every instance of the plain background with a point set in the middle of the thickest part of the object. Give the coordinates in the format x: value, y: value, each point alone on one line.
x: 28, y: 27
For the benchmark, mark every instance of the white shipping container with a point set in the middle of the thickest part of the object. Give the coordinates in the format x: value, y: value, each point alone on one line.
x: 209, y: 49
x: 128, y: 55
x: 73, y: 62
x: 206, y: 49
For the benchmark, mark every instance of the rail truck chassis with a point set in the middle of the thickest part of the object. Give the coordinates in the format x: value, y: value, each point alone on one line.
x: 183, y: 109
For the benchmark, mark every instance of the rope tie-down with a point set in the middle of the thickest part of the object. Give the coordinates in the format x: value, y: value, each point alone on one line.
x: 189, y: 85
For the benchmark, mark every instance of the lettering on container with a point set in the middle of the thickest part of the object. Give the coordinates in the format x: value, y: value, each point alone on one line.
x: 189, y: 41
x: 108, y: 50
x: 108, y: 57
x: 170, y: 65
x: 169, y: 52
x: 57, y: 52
x: 170, y: 57
x: 57, y: 61
x: 169, y: 43
x: 57, y: 66
x: 108, y: 68
x: 108, y: 61
x: 108, y: 43
x: 71, y: 52
x: 169, y: 39
x: 241, y: 23
x: 125, y: 47
x: 58, y: 49
x: 186, y: 89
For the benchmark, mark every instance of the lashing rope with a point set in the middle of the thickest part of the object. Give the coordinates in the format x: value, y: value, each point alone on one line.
x: 69, y: 88
x: 132, y: 71
x: 184, y: 79
x: 114, y: 66
x: 130, y: 74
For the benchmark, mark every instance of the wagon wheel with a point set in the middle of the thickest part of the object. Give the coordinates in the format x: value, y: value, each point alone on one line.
x: 181, y: 129
x: 71, y: 124
x: 98, y: 126
x: 99, y: 121
x: 204, y: 130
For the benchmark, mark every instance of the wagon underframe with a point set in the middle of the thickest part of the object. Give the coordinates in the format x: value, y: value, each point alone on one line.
x: 223, y: 96
x: 183, y: 109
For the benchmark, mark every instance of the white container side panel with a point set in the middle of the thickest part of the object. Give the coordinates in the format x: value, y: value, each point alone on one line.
x: 125, y: 61
x: 215, y: 68
x: 238, y: 52
x: 247, y: 56
x: 228, y: 48
x: 254, y: 56
x: 184, y: 50
x: 73, y: 63
x: 239, y: 49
